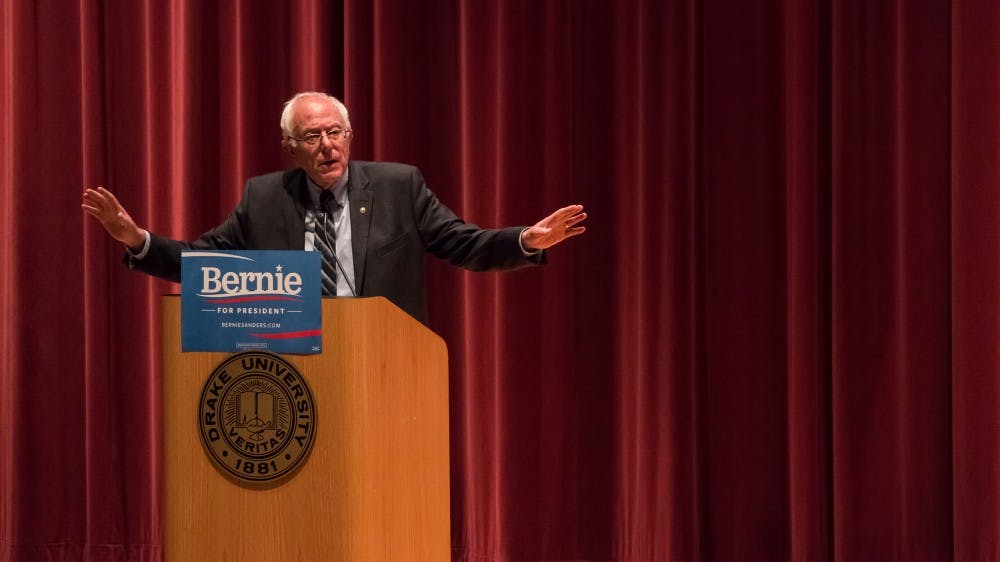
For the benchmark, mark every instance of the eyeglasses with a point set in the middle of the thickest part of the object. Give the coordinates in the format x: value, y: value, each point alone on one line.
x: 335, y: 135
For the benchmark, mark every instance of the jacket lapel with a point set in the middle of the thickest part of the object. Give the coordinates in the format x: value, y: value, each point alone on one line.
x: 360, y: 197
x: 295, y: 184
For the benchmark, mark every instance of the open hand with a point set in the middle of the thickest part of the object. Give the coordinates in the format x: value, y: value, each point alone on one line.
x: 554, y: 228
x: 104, y: 206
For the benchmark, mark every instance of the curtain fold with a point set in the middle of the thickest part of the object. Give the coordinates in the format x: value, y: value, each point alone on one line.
x: 776, y: 340
x: 656, y: 325
x: 805, y: 83
x: 891, y: 274
x: 975, y: 282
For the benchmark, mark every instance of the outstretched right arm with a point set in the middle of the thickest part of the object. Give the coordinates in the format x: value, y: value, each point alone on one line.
x: 152, y: 254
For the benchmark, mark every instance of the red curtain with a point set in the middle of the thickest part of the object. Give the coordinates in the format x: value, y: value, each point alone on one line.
x: 776, y: 341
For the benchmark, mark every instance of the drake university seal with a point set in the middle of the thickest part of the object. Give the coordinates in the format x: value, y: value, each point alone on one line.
x: 257, y: 418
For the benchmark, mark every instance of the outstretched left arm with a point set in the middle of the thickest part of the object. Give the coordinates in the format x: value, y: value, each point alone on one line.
x: 554, y: 228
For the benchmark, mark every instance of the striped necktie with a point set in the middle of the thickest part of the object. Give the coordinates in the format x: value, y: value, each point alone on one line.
x: 325, y: 240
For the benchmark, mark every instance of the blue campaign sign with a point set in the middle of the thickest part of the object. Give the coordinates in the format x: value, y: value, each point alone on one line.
x: 254, y: 299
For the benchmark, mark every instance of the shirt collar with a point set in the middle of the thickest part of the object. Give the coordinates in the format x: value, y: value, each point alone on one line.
x: 339, y: 190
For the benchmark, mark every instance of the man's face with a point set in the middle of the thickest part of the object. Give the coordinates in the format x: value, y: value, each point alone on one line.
x: 325, y: 162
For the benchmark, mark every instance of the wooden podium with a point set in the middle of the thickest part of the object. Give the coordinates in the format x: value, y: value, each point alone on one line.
x: 375, y: 486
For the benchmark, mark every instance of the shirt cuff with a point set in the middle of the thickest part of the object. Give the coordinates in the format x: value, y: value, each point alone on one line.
x: 142, y: 253
x: 525, y: 251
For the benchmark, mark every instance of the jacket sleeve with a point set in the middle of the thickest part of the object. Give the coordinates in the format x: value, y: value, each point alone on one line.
x: 463, y: 244
x: 164, y: 256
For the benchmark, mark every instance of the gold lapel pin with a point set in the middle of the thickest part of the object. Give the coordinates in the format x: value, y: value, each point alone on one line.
x: 362, y: 210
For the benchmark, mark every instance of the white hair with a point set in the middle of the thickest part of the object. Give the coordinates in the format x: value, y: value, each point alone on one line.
x: 288, y: 127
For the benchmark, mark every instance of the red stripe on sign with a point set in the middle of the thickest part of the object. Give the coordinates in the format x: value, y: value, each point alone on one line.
x: 250, y: 299
x: 288, y: 335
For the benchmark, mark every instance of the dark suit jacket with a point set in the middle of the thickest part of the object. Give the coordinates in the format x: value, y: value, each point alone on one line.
x: 402, y: 220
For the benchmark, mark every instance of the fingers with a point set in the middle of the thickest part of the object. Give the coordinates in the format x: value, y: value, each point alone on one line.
x: 99, y: 198
x: 575, y: 219
x: 567, y: 218
x: 103, y: 206
x: 93, y: 201
x: 562, y: 214
x: 101, y: 203
x: 98, y: 195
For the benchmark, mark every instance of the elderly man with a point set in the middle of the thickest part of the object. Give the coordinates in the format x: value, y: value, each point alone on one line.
x: 372, y: 221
